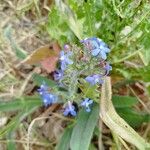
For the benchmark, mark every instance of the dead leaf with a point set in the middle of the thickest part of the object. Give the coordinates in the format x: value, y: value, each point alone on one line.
x: 49, y: 64
x: 43, y: 52
x: 47, y: 56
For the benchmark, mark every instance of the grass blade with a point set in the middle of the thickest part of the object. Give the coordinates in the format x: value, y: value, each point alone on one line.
x: 15, y: 122
x: 20, y: 103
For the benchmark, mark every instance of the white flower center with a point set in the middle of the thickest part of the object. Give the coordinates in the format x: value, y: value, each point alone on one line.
x: 62, y: 58
x: 96, y: 80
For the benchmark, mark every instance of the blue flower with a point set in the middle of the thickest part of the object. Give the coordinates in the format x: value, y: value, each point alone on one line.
x: 58, y: 75
x: 97, y: 47
x: 107, y: 68
x: 94, y: 79
x: 65, y: 60
x: 46, y: 97
x: 49, y: 98
x: 85, y: 103
x: 69, y: 109
x: 43, y: 88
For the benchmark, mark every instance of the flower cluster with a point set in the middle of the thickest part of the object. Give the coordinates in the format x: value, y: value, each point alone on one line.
x: 96, y: 50
x: 97, y: 46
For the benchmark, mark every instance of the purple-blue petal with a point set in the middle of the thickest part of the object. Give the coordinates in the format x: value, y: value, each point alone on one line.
x: 73, y: 113
x: 62, y: 53
x: 106, y: 49
x: 94, y: 79
x: 43, y: 88
x: 69, y: 109
x: 97, y: 47
x: 65, y: 60
x: 66, y: 112
x: 63, y: 65
x: 95, y: 52
x: 90, y: 101
x: 88, y: 109
x: 86, y: 104
x: 90, y: 80
x: 48, y: 98
x: 58, y: 75
x: 103, y: 55
x: 107, y: 68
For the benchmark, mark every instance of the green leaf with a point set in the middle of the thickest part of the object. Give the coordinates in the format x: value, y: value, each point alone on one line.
x: 134, y: 118
x: 124, y: 101
x: 70, y: 18
x: 64, y: 142
x: 58, y: 28
x: 83, y: 130
x: 20, y: 103
x: 89, y: 91
x: 92, y: 147
x: 40, y: 79
x: 125, y: 73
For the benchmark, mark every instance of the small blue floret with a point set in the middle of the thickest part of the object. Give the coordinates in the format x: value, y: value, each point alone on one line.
x: 69, y: 109
x: 48, y: 99
x: 43, y: 88
x: 58, y: 75
x: 107, y: 68
x: 65, y: 60
x: 86, y: 104
x: 97, y: 47
x: 94, y: 79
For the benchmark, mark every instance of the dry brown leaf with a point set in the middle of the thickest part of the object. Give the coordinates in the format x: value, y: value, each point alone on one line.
x: 47, y: 56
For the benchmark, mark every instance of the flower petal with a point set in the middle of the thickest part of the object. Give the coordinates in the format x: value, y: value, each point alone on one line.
x: 103, y: 55
x: 95, y: 52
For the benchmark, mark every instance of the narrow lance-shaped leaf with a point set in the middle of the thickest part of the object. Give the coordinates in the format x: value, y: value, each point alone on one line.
x: 64, y: 142
x: 38, y: 79
x: 115, y: 122
x: 83, y: 130
x: 20, y: 103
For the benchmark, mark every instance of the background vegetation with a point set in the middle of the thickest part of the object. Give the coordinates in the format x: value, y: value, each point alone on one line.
x: 26, y: 25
